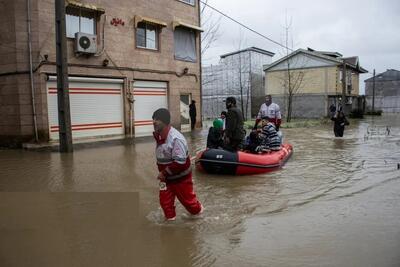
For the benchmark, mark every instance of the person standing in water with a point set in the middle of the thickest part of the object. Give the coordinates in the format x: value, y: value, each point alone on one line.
x: 175, y: 171
x: 192, y: 114
x: 340, y: 122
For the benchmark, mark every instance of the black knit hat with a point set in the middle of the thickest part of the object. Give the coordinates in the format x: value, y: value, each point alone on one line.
x: 163, y: 115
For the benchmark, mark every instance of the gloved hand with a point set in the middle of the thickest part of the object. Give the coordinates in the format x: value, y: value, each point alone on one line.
x: 277, y: 128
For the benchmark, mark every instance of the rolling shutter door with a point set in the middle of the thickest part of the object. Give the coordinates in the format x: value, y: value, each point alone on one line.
x: 96, y: 107
x: 149, y: 96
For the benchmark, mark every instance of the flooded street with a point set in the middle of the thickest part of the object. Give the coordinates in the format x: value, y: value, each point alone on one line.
x: 335, y: 203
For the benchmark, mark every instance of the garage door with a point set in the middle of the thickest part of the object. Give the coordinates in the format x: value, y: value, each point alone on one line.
x: 149, y: 96
x: 96, y: 107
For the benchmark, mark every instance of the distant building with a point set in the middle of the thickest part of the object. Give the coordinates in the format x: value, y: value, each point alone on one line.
x: 239, y: 74
x: 125, y: 58
x: 320, y: 75
x: 387, y: 91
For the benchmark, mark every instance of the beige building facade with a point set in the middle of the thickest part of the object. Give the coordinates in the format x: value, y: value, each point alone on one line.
x: 128, y: 58
x: 320, y: 76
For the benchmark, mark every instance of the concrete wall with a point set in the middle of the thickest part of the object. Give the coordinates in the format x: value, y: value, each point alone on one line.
x: 304, y: 106
x: 387, y: 96
x: 224, y: 80
x: 132, y: 63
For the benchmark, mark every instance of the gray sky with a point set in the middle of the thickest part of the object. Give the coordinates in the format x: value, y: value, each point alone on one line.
x: 368, y: 29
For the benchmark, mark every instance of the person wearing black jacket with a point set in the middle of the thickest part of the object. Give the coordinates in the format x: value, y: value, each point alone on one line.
x: 340, y: 121
x: 192, y: 114
x: 234, y: 132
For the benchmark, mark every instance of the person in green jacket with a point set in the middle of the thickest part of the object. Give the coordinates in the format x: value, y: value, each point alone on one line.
x: 234, y: 132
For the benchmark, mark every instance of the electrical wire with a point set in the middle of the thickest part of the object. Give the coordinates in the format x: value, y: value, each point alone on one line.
x: 244, y: 26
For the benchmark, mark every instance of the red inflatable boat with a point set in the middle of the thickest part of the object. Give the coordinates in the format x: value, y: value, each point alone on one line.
x: 220, y: 161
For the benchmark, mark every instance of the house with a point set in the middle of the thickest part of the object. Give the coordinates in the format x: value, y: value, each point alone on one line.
x: 125, y: 60
x: 383, y: 91
x: 239, y: 74
x: 316, y: 82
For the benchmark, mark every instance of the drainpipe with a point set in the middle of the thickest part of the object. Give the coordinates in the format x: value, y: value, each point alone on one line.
x: 201, y: 68
x: 28, y: 7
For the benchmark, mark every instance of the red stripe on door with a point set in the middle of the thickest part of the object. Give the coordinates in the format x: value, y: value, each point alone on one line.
x: 100, y: 91
x: 79, y: 127
x: 149, y: 94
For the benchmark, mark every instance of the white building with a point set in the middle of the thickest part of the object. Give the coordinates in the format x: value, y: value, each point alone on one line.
x: 239, y: 74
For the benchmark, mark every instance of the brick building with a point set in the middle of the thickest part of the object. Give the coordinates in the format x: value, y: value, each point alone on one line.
x: 147, y: 51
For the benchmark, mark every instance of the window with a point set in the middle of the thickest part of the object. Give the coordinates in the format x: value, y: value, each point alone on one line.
x: 185, y: 44
x: 147, y: 36
x: 80, y: 20
x: 190, y: 2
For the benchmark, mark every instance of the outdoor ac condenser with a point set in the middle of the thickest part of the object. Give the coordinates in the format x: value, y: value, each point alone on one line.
x: 85, y: 43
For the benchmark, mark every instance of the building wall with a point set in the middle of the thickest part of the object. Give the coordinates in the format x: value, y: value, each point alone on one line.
x: 387, y: 96
x: 303, y: 105
x: 125, y: 60
x: 315, y: 81
x: 355, y: 84
x: 241, y: 70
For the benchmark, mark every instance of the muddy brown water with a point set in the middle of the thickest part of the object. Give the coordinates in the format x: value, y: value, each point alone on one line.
x: 335, y: 203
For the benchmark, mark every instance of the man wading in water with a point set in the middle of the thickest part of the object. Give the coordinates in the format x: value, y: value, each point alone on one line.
x: 173, y: 161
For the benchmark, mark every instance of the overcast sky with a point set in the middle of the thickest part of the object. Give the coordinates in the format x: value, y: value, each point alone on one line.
x: 369, y: 29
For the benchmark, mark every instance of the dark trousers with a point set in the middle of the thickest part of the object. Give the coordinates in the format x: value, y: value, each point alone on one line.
x: 192, y: 122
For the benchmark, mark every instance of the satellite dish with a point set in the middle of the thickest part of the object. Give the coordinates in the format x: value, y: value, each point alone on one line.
x: 84, y: 42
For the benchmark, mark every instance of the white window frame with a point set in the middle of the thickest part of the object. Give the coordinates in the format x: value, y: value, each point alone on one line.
x: 157, y: 35
x: 94, y: 18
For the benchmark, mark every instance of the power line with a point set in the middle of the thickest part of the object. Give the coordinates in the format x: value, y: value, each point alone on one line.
x: 248, y: 28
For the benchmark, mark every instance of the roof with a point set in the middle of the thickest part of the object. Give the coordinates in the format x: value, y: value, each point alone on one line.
x: 330, y: 56
x: 252, y: 49
x: 389, y: 75
x: 326, y: 53
x: 92, y: 7
x: 178, y: 23
x: 149, y: 20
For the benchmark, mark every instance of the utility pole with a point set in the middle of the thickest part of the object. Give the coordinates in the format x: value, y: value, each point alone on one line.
x: 344, y: 85
x: 373, y: 93
x: 64, y: 115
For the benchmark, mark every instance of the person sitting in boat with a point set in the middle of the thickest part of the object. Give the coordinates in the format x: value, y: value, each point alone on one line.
x: 214, y: 138
x: 253, y: 142
x: 269, y: 137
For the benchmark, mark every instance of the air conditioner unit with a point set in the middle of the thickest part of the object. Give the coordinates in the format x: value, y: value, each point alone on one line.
x: 85, y: 43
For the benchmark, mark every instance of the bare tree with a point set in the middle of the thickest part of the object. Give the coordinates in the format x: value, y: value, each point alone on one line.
x: 243, y: 79
x: 293, y: 80
x: 211, y: 25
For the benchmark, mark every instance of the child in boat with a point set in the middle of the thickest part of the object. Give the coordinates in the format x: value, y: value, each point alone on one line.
x: 214, y: 138
x: 269, y: 137
x: 253, y: 142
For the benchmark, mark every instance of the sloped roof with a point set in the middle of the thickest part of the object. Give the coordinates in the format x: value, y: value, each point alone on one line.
x: 252, y: 49
x: 326, y: 53
x: 389, y: 75
x: 350, y: 61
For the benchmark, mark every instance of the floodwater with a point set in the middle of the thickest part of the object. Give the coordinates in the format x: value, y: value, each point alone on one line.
x: 335, y: 203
